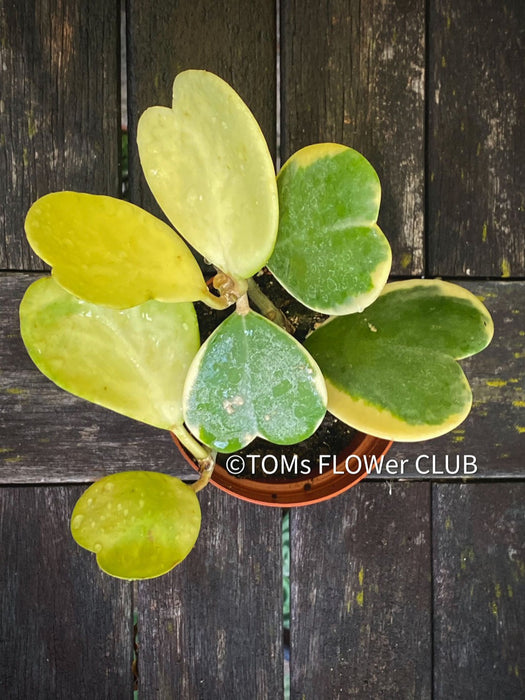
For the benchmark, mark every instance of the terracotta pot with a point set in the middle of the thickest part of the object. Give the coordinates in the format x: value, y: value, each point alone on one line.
x: 301, y: 490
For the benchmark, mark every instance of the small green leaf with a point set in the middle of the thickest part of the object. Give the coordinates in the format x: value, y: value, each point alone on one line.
x: 108, y: 251
x: 251, y: 378
x: 207, y: 163
x: 330, y: 254
x: 139, y: 524
x: 391, y: 371
x: 132, y: 361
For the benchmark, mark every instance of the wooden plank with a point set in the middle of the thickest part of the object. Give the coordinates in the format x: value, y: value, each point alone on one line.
x: 48, y: 435
x: 66, y: 628
x: 59, y: 109
x: 228, y: 37
x: 360, y: 595
x: 353, y: 72
x: 479, y: 591
x: 476, y: 138
x: 213, y: 627
x: 494, y: 432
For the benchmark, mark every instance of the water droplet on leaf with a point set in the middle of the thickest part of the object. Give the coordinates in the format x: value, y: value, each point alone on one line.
x: 77, y: 521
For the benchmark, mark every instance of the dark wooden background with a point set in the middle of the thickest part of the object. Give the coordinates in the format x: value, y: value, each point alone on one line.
x: 401, y: 588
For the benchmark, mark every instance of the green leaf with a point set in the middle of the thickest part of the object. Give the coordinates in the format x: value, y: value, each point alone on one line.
x: 207, y: 163
x: 330, y: 254
x: 251, y: 378
x: 391, y: 371
x: 108, y: 251
x: 132, y: 361
x: 139, y: 524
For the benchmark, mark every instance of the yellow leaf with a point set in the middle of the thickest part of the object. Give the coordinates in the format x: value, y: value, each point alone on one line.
x: 108, y: 251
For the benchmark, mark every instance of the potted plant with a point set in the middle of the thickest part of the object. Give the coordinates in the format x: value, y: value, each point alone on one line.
x: 115, y: 322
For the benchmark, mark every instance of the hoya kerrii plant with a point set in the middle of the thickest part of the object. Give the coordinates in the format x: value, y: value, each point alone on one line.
x: 115, y: 322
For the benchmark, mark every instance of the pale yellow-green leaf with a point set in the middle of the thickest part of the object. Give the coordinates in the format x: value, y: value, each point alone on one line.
x: 208, y: 165
x: 139, y: 524
x: 108, y: 251
x: 133, y: 361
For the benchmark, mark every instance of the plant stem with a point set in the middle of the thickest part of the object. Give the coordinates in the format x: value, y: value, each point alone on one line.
x: 229, y: 288
x: 243, y: 305
x: 204, y: 456
x: 266, y: 306
x: 206, y: 467
x: 218, y: 303
x: 199, y: 451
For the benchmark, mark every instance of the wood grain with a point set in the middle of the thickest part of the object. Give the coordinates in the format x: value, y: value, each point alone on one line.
x: 60, y: 109
x: 479, y: 591
x: 353, y: 72
x: 48, y: 435
x: 228, y: 37
x: 66, y: 628
x: 476, y: 148
x: 212, y: 628
x: 360, y: 595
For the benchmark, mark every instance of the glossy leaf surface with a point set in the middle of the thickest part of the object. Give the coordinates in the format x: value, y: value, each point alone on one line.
x: 108, y: 251
x: 207, y: 163
x: 251, y: 378
x: 139, y: 524
x: 330, y: 254
x: 133, y: 361
x: 391, y: 371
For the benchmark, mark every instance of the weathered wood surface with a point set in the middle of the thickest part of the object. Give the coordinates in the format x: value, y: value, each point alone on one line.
x: 494, y: 432
x: 476, y: 147
x: 360, y: 595
x: 353, y: 72
x: 213, y: 627
x: 65, y: 628
x: 479, y: 591
x: 228, y: 37
x: 364, y: 586
x: 59, y: 109
x: 47, y: 435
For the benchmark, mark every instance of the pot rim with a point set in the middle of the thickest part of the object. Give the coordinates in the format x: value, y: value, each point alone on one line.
x: 298, y: 491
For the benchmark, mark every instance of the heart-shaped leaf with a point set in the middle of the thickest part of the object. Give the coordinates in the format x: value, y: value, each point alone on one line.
x: 108, y: 251
x: 207, y: 163
x: 330, y: 254
x: 250, y: 378
x: 139, y: 524
x: 133, y: 361
x: 391, y: 371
